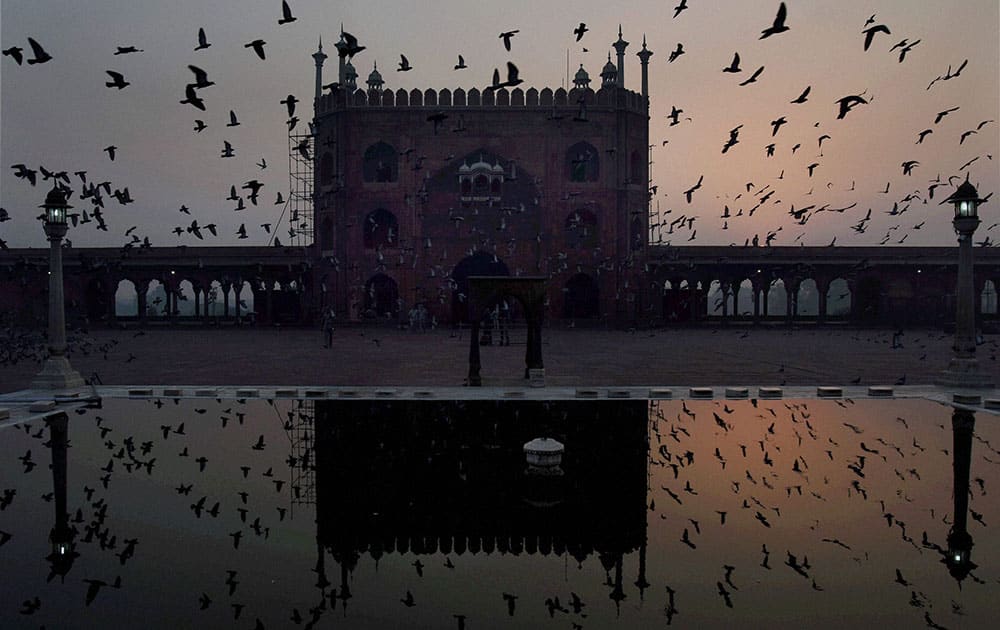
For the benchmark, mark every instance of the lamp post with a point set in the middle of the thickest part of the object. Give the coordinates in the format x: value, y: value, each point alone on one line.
x: 963, y: 370
x: 56, y: 372
x: 958, y: 556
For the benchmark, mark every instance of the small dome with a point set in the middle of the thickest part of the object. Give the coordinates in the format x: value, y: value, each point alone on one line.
x: 350, y: 72
x: 375, y: 78
x: 464, y: 168
x: 581, y: 75
x: 497, y: 169
x: 609, y: 68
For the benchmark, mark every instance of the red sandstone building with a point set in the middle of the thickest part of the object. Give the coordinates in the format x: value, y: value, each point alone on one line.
x: 416, y: 191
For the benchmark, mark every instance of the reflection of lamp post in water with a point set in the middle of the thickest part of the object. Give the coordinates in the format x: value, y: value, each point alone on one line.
x: 63, y: 552
x: 963, y: 370
x: 56, y: 372
x: 958, y: 556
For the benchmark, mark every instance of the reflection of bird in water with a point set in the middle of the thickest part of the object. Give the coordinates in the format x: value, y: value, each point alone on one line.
x: 94, y: 587
x: 408, y: 600
x: 419, y: 566
x: 725, y: 594
x: 687, y: 540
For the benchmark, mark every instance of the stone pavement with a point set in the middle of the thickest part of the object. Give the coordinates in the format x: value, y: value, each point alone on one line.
x: 573, y: 357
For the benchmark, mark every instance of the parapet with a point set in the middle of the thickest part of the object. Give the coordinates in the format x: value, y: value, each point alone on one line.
x: 606, y: 98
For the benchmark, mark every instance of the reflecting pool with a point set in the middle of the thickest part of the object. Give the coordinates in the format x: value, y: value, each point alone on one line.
x: 168, y: 513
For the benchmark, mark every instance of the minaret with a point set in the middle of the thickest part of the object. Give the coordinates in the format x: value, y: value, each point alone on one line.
x: 644, y: 56
x: 319, y: 57
x: 620, y: 47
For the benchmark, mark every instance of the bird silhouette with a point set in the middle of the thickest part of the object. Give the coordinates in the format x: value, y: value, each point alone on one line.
x: 580, y: 30
x: 404, y: 64
x: 802, y: 97
x: 39, y: 54
x: 778, y: 26
x: 117, y: 80
x: 258, y: 47
x: 506, y: 36
x: 849, y: 102
x: 461, y: 63
x: 202, y: 40
x: 734, y: 66
x: 15, y: 53
x: 286, y: 14
x: 871, y: 31
x: 753, y: 77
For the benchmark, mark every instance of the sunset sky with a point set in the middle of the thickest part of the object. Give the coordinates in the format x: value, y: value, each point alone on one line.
x: 61, y: 116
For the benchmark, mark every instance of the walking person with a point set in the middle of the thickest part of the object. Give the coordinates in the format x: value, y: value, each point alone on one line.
x: 327, y: 324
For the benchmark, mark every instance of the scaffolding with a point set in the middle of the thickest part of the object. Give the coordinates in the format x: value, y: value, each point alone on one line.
x: 300, y: 429
x: 299, y: 206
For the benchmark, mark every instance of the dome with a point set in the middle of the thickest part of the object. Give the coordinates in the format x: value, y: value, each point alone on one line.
x: 497, y: 169
x: 609, y: 68
x: 350, y: 72
x: 581, y: 76
x: 375, y: 78
x: 464, y: 168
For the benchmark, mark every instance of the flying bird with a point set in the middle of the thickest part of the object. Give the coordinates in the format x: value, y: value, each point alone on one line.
x: 679, y: 8
x: 202, y: 40
x: 941, y: 115
x: 908, y: 166
x: 505, y: 36
x: 14, y: 53
x: 776, y: 124
x: 779, y: 23
x: 871, y: 31
x: 200, y: 77
x: 802, y: 97
x: 675, y: 53
x: 258, y: 47
x: 40, y: 55
x: 110, y: 150
x: 735, y: 65
x: 580, y: 30
x: 849, y: 102
x: 690, y: 191
x: 286, y: 14
x: 117, y: 80
x: 404, y: 64
x: 191, y: 98
x: 753, y: 77
x: 461, y: 63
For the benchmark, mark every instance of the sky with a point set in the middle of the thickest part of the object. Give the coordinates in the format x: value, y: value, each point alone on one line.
x: 60, y: 114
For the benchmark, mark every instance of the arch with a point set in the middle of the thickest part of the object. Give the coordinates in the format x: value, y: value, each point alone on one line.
x: 416, y: 98
x: 156, y: 299
x: 458, y: 98
x: 777, y: 299
x: 581, y: 229
x: 503, y: 98
x: 559, y: 97
x: 838, y: 298
x: 444, y: 98
x: 582, y: 163
x: 545, y: 97
x: 388, y: 98
x: 185, y: 299
x: 807, y: 299
x: 637, y: 234
x: 380, y: 229
x: 478, y: 264
x: 215, y: 301
x: 714, y: 299
x: 325, y: 234
x: 430, y: 97
x: 246, y: 305
x: 531, y: 97
x: 988, y: 299
x: 360, y: 98
x: 517, y: 97
x: 381, y: 163
x: 402, y: 99
x: 326, y: 169
x: 381, y: 296
x: 472, y: 98
x: 581, y: 299
x: 488, y: 98
x: 126, y: 299
x: 744, y: 298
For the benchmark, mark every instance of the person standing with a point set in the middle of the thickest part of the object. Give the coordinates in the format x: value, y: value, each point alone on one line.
x: 327, y: 324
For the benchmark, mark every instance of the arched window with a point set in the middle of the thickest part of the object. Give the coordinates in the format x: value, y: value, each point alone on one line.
x: 581, y: 229
x: 480, y: 186
x: 381, y: 163
x: 637, y: 167
x: 326, y: 235
x: 380, y: 229
x: 466, y: 188
x: 582, y: 163
x: 326, y: 169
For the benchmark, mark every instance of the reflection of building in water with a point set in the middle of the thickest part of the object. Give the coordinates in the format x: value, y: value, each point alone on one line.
x: 958, y: 556
x: 451, y: 478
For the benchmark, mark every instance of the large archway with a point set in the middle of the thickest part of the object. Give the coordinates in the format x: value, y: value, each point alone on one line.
x: 381, y: 297
x: 478, y: 264
x: 581, y: 298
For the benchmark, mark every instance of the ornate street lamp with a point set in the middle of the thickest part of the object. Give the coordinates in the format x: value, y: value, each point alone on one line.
x: 958, y: 556
x: 56, y: 372
x: 963, y: 370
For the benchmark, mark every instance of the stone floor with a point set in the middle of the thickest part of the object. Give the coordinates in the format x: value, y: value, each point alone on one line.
x: 573, y: 358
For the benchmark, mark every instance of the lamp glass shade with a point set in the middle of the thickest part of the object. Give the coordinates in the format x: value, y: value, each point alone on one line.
x: 965, y: 208
x: 55, y: 214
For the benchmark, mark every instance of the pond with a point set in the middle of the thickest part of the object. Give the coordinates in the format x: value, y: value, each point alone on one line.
x: 168, y: 513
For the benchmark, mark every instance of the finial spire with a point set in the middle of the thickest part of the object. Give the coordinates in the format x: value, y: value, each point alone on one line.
x: 321, y: 43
